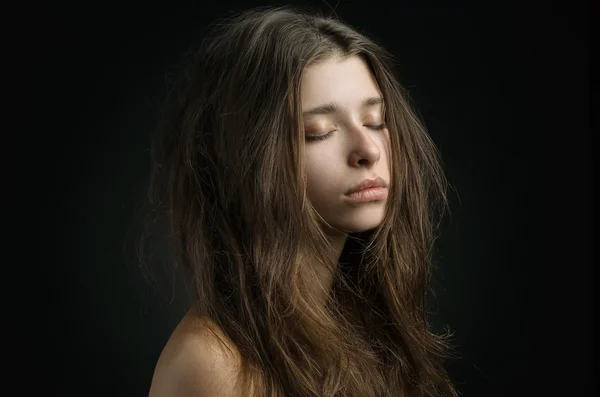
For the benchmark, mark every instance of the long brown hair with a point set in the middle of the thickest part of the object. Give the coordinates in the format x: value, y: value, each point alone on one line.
x: 228, y: 172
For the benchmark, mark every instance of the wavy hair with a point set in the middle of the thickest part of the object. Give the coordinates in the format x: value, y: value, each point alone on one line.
x: 228, y: 174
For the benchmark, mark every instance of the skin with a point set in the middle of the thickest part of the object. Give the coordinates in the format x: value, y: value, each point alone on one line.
x: 356, y: 146
x: 193, y: 363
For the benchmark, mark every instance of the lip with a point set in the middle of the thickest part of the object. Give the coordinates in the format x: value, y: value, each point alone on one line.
x: 367, y: 195
x: 367, y: 184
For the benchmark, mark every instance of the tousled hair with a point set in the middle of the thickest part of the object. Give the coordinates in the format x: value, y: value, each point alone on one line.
x: 228, y: 174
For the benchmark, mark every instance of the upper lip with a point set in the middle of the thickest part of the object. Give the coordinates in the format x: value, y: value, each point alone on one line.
x: 367, y: 183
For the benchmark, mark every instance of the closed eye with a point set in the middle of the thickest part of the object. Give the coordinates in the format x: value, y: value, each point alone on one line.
x: 376, y: 127
x: 319, y: 137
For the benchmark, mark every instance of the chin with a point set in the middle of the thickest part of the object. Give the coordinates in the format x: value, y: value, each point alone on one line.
x: 361, y: 221
x: 359, y: 228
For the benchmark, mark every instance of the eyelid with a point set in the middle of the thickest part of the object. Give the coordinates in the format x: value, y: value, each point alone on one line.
x: 321, y: 137
x: 377, y: 127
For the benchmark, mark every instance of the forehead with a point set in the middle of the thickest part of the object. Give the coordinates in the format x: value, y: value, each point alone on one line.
x: 344, y: 81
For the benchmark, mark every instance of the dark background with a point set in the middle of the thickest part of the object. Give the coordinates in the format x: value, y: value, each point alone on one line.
x: 503, y: 92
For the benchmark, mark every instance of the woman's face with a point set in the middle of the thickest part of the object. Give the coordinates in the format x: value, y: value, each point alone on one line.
x: 346, y: 143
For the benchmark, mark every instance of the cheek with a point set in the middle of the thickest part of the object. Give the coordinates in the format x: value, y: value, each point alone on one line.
x: 312, y: 164
x: 315, y: 176
x: 322, y: 179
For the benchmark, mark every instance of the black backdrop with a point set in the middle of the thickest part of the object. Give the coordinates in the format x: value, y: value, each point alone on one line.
x: 503, y: 92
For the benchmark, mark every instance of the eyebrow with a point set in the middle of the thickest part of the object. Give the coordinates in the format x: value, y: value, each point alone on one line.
x: 332, y: 107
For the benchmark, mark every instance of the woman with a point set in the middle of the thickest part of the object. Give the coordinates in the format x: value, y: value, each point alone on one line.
x: 302, y: 194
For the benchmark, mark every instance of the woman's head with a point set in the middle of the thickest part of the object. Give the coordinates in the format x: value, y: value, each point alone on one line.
x: 281, y: 114
x: 248, y: 149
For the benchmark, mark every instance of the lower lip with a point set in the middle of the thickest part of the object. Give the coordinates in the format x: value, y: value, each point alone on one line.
x: 370, y: 194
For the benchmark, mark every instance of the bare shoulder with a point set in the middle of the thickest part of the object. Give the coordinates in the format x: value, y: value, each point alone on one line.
x: 194, y: 363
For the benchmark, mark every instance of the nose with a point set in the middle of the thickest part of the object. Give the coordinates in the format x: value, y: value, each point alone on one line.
x: 364, y: 149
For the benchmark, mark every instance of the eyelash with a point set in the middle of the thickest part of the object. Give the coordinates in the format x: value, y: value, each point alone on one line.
x: 378, y: 127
